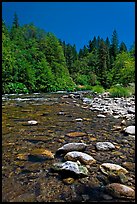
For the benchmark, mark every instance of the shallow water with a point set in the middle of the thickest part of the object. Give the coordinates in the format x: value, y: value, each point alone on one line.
x: 28, y: 178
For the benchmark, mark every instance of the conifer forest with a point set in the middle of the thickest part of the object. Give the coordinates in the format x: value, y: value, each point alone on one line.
x: 34, y: 60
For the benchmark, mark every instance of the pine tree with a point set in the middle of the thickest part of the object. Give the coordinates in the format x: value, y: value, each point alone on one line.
x: 122, y: 47
x: 114, y: 45
x: 15, y: 21
x: 92, y: 44
x: 15, y: 27
x: 83, y: 52
x: 102, y: 64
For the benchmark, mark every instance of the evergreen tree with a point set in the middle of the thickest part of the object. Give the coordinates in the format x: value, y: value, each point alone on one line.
x: 15, y: 27
x: 113, y: 48
x: 92, y: 44
x: 98, y: 42
x: 83, y: 52
x: 8, y: 59
x: 15, y: 21
x: 114, y: 45
x: 102, y: 64
x: 122, y: 47
x: 107, y: 43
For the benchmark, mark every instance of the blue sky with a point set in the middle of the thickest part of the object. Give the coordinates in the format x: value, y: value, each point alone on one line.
x: 76, y: 22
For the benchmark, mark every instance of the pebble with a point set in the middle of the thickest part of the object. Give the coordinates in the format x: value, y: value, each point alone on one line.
x: 129, y: 165
x: 76, y: 134
x: 104, y: 146
x: 78, y: 146
x: 78, y: 119
x: 107, y: 168
x: 82, y: 157
x: 68, y: 180
x: 130, y: 130
x: 101, y: 116
x: 32, y: 122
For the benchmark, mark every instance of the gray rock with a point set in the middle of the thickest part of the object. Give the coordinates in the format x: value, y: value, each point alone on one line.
x: 131, y: 110
x: 101, y: 116
x: 78, y: 119
x: 130, y: 130
x: 104, y: 146
x: 32, y: 122
x: 72, y: 147
x: 82, y: 157
x: 71, y: 167
x: 87, y: 100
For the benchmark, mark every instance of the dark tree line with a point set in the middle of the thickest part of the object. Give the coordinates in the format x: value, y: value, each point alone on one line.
x: 34, y: 60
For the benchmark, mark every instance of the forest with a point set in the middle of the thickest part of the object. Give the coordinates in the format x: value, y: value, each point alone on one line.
x: 34, y: 60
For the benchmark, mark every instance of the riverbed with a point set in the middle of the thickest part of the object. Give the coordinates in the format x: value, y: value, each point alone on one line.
x: 29, y: 179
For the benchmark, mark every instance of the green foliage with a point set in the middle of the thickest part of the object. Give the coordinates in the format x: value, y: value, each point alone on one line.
x: 81, y: 79
x: 119, y: 91
x: 16, y: 88
x: 123, y: 70
x: 131, y: 88
x: 34, y: 60
x: 98, y: 89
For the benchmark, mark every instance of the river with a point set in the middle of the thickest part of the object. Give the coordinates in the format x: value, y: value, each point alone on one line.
x: 28, y: 179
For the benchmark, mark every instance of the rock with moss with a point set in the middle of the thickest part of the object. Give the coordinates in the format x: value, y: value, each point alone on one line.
x: 70, y: 167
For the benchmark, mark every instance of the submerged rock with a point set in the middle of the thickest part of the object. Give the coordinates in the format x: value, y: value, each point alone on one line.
x: 76, y: 134
x: 72, y: 147
x: 82, y: 157
x: 71, y: 167
x: 104, y: 146
x: 42, y: 153
x: 120, y: 191
x: 23, y: 157
x: 68, y: 180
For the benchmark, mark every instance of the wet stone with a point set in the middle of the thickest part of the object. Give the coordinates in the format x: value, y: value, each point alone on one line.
x: 23, y: 157
x: 109, y: 168
x: 68, y: 180
x: 129, y: 165
x: 76, y: 134
x: 70, y: 167
x: 130, y: 130
x: 101, y: 116
x: 40, y: 153
x: 120, y: 191
x: 72, y: 147
x: 32, y: 122
x: 104, y: 146
x: 80, y: 156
